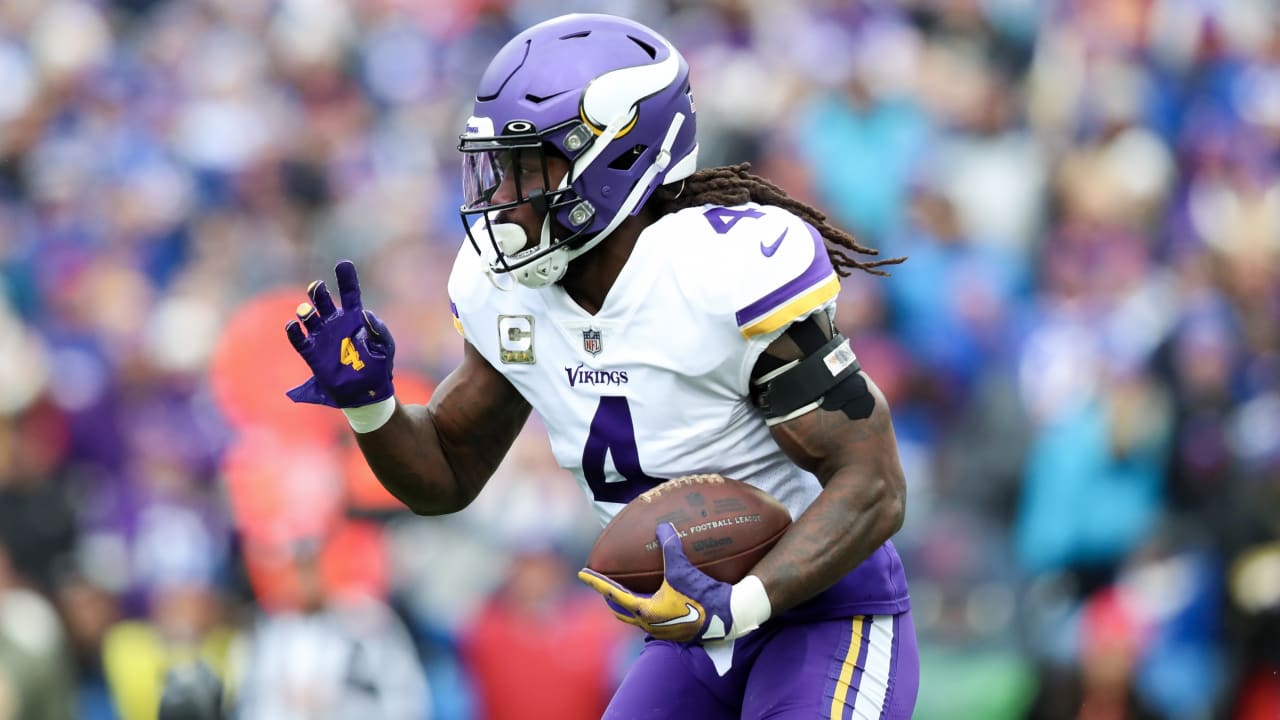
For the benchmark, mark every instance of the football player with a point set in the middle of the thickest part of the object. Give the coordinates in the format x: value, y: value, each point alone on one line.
x: 663, y: 321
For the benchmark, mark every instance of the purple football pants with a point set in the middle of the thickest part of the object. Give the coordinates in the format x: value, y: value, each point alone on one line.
x: 862, y: 668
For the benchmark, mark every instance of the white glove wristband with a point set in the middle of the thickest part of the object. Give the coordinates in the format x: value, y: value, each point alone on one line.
x: 749, y: 604
x: 370, y: 417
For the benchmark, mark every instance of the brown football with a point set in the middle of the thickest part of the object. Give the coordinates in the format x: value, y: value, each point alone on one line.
x: 726, y: 526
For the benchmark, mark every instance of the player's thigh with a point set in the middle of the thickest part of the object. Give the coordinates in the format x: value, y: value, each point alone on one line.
x: 861, y: 667
x: 673, y: 681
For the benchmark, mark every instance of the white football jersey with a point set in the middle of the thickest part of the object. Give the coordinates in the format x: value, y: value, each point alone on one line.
x: 655, y: 385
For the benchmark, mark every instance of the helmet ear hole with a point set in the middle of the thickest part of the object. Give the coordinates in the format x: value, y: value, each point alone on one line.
x: 624, y: 161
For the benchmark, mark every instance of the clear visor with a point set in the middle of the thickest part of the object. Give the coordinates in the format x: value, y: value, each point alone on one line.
x: 482, y: 173
x: 496, y: 175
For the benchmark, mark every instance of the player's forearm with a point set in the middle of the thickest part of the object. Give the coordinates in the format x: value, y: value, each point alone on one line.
x: 853, y: 516
x: 862, y: 503
x: 408, y: 458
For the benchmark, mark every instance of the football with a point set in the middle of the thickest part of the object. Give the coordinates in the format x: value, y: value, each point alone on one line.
x: 725, y: 525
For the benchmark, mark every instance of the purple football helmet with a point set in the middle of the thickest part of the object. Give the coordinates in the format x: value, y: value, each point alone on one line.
x: 608, y: 94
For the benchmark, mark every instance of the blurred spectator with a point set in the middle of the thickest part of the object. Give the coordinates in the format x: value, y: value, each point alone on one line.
x: 1093, y: 487
x: 36, y: 675
x: 860, y: 136
x: 191, y: 692
x: 985, y: 161
x: 953, y: 309
x: 1111, y: 639
x: 90, y: 611
x: 37, y: 521
x: 333, y: 655
x: 541, y: 647
x: 186, y: 626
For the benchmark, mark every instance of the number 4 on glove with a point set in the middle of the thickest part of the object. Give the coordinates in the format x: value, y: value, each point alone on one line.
x: 349, y: 350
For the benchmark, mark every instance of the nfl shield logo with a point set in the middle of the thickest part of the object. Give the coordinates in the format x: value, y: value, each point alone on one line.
x: 591, y: 341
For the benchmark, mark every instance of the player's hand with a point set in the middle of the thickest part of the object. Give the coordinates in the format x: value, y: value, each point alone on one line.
x: 348, y: 349
x: 690, y: 606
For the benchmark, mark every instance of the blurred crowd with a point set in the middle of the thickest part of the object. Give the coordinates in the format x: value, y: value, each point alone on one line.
x: 1082, y: 352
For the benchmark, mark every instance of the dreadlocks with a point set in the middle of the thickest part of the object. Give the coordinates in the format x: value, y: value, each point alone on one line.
x: 735, y: 185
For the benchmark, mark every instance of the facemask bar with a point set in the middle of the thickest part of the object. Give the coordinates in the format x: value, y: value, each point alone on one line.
x: 571, y: 246
x: 500, y: 261
x: 562, y: 196
x: 487, y: 161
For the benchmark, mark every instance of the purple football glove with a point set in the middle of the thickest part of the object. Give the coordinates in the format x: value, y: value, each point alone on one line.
x: 690, y: 606
x: 348, y: 349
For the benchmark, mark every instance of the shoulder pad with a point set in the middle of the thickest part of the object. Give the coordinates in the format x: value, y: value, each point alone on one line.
x: 773, y: 266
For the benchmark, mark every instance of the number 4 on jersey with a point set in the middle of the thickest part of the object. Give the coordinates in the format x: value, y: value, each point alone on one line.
x: 723, y: 219
x: 613, y: 433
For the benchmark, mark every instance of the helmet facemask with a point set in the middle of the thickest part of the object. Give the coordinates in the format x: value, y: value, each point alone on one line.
x: 521, y: 155
x: 487, y: 161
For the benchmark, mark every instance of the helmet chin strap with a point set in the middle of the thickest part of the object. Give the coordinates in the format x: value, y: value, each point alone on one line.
x: 551, y: 268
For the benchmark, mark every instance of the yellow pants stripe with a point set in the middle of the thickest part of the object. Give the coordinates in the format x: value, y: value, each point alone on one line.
x: 846, y: 673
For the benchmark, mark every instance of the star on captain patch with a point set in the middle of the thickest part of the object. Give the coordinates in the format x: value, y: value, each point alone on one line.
x: 591, y: 341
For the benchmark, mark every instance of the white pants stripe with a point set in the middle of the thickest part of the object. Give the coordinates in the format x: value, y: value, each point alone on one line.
x: 873, y: 687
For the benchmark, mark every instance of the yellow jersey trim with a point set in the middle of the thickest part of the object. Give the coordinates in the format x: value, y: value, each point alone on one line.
x: 802, y: 304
